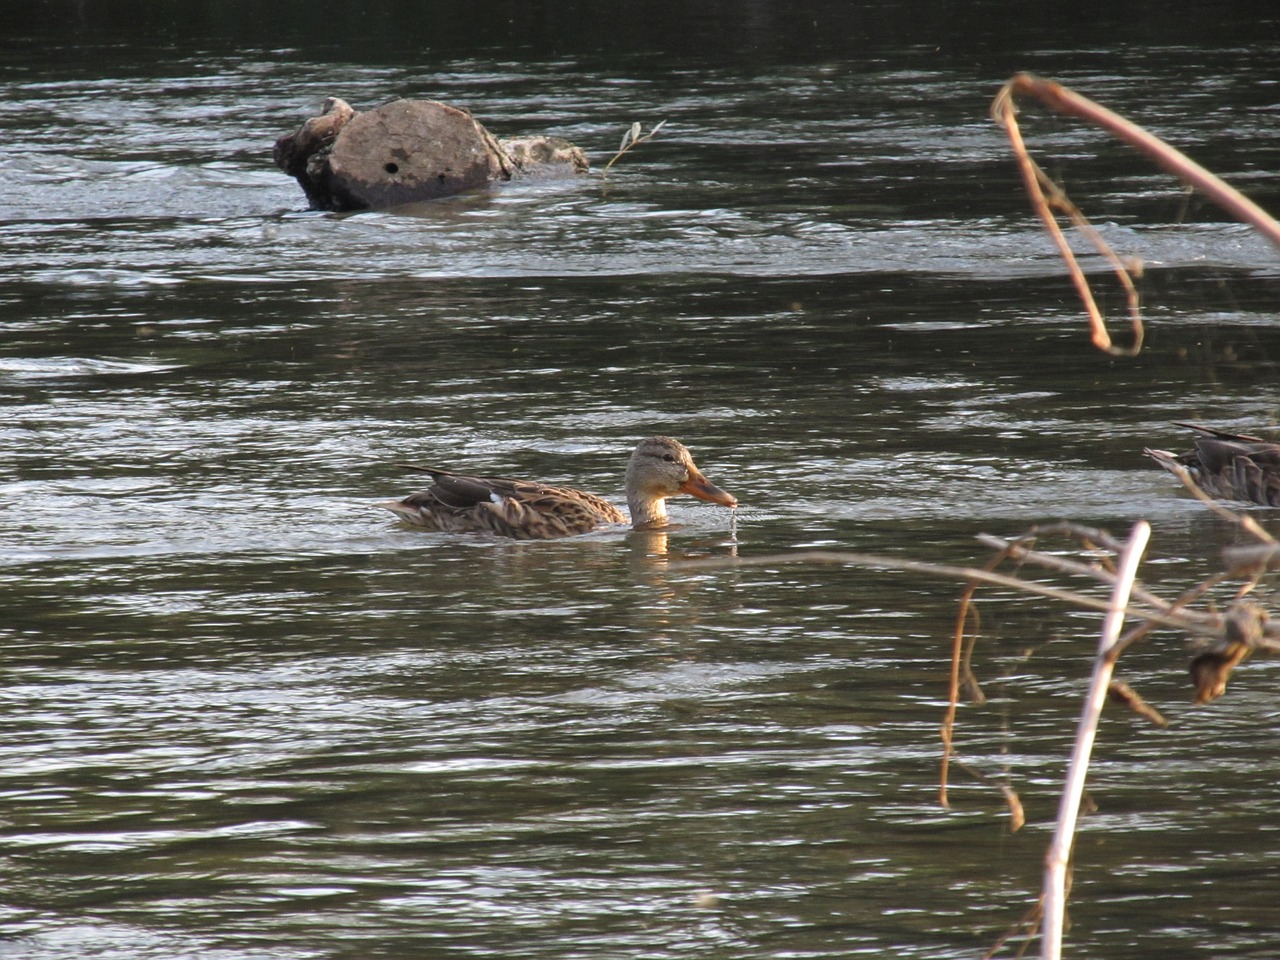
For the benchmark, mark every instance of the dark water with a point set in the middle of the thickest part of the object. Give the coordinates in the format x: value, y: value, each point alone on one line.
x: 247, y: 715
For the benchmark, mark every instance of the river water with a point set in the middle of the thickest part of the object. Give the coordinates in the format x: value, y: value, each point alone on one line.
x: 248, y: 715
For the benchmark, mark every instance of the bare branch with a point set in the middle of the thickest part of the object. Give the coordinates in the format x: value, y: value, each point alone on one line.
x: 945, y: 571
x: 1059, y: 854
x: 1045, y: 194
x: 632, y: 138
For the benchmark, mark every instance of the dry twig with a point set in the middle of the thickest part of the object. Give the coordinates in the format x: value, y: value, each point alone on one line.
x: 632, y: 138
x: 1225, y: 639
x: 1059, y: 855
x: 1045, y: 194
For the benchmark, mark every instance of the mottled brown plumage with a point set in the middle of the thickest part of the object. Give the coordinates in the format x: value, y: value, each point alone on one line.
x: 527, y: 510
x: 1228, y: 466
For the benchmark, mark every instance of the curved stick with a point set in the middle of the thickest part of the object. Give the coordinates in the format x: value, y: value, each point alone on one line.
x: 1044, y: 193
x: 1066, y: 101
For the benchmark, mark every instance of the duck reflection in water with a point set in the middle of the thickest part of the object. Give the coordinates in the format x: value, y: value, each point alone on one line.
x: 1228, y: 466
x: 528, y: 510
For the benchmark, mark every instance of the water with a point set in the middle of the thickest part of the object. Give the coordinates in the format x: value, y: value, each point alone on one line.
x: 247, y: 715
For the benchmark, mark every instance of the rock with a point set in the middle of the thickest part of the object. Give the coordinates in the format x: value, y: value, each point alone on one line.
x: 540, y: 156
x: 408, y: 151
x: 412, y: 150
x: 294, y: 151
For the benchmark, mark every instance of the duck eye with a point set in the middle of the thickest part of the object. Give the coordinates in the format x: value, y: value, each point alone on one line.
x: 669, y: 458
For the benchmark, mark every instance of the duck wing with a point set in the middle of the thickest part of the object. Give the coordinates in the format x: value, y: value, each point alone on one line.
x: 523, y: 509
x: 1220, y: 434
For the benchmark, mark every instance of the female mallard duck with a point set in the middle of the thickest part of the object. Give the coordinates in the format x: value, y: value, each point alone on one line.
x: 659, y: 468
x: 1228, y: 466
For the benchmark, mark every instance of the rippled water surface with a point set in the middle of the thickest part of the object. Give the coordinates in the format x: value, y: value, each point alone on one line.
x: 246, y: 714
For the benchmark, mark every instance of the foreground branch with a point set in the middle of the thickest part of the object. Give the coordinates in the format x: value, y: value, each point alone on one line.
x: 950, y: 572
x: 1059, y: 855
x: 1224, y: 640
x: 1045, y: 195
x: 1066, y: 101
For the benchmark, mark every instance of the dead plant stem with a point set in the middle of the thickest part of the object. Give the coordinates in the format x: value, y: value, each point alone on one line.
x: 1059, y: 855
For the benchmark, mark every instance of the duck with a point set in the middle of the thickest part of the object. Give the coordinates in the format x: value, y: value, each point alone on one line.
x: 1228, y: 466
x: 660, y: 467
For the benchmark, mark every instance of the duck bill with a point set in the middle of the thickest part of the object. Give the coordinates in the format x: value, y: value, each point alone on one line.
x: 699, y: 486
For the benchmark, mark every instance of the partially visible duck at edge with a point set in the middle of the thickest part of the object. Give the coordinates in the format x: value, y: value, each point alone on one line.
x: 1229, y: 466
x: 527, y: 510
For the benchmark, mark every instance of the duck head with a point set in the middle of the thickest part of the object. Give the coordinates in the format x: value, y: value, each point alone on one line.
x: 660, y: 468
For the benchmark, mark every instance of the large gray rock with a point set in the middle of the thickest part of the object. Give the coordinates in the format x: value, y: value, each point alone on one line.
x: 408, y: 151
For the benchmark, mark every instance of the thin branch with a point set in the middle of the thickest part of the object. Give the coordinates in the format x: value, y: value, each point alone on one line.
x: 1241, y: 520
x: 965, y: 610
x: 1066, y: 101
x: 632, y: 138
x: 1059, y: 854
x: 945, y: 571
x: 1045, y: 194
x: 1016, y: 550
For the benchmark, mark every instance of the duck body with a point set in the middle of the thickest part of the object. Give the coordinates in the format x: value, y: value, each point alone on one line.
x: 528, y: 510
x: 1228, y: 466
